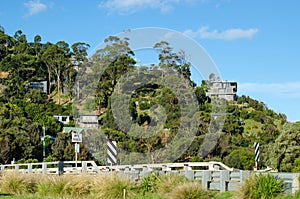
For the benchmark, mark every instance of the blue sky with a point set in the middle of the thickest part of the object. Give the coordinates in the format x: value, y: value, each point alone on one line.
x: 255, y: 43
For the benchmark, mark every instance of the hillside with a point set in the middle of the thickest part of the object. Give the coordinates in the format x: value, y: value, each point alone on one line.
x: 155, y: 110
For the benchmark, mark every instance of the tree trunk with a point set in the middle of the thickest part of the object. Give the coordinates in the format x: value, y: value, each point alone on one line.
x: 49, y: 79
x: 58, y: 88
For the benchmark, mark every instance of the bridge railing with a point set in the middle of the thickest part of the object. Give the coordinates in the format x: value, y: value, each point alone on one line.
x: 211, y: 175
x: 52, y: 167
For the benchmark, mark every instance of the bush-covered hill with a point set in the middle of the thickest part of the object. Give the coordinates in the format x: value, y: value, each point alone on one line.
x: 23, y: 114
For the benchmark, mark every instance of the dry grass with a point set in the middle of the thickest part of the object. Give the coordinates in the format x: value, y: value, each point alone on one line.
x: 189, y: 190
x: 17, y: 183
x: 112, y: 187
x: 67, y: 186
x: 3, y: 74
x: 166, y: 183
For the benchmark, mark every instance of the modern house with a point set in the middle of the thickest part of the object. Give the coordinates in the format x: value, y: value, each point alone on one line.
x: 88, y: 121
x: 222, y: 89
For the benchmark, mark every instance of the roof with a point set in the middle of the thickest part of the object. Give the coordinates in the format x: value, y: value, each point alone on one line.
x: 70, y: 129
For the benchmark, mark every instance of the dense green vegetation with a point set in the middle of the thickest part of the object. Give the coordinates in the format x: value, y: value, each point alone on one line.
x: 24, y: 114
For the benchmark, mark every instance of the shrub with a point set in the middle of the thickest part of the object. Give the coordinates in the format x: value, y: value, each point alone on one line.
x: 261, y: 187
x: 148, y: 184
x: 17, y: 183
x: 296, y: 165
x: 74, y: 186
x: 112, y: 187
x: 24, y: 161
x: 240, y: 159
x: 189, y: 190
x: 166, y: 183
x: 54, y: 186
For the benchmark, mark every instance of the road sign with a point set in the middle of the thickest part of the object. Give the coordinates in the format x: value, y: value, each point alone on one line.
x: 111, y: 152
x: 77, y: 148
x: 76, y: 137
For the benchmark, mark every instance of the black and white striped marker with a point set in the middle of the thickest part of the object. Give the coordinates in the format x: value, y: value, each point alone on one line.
x: 112, y: 152
x: 256, y: 150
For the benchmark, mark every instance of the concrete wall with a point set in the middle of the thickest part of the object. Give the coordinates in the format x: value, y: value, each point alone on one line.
x: 217, y: 180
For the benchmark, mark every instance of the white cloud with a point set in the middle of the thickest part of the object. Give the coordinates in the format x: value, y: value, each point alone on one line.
x: 35, y: 7
x: 229, y: 34
x: 132, y: 6
x: 289, y: 90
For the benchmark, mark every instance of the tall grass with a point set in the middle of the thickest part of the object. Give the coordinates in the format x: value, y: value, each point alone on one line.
x: 148, y: 184
x: 113, y: 187
x: 166, y: 183
x: 17, y: 183
x: 189, y: 190
x: 172, y: 186
x: 72, y: 186
x: 261, y: 187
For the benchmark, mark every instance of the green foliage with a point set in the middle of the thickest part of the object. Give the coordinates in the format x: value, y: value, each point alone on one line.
x: 24, y: 161
x: 286, y: 148
x: 148, y: 196
x: 148, y: 184
x: 112, y: 187
x: 23, y: 114
x: 291, y: 196
x: 172, y: 186
x: 240, y: 159
x: 196, y: 159
x: 262, y: 186
x: 224, y: 195
x: 200, y: 92
x: 296, y: 166
x: 50, y: 159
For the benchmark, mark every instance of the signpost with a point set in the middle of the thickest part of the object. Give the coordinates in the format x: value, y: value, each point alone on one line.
x: 76, y: 137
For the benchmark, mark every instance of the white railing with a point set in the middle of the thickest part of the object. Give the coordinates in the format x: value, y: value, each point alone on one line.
x: 91, y: 167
